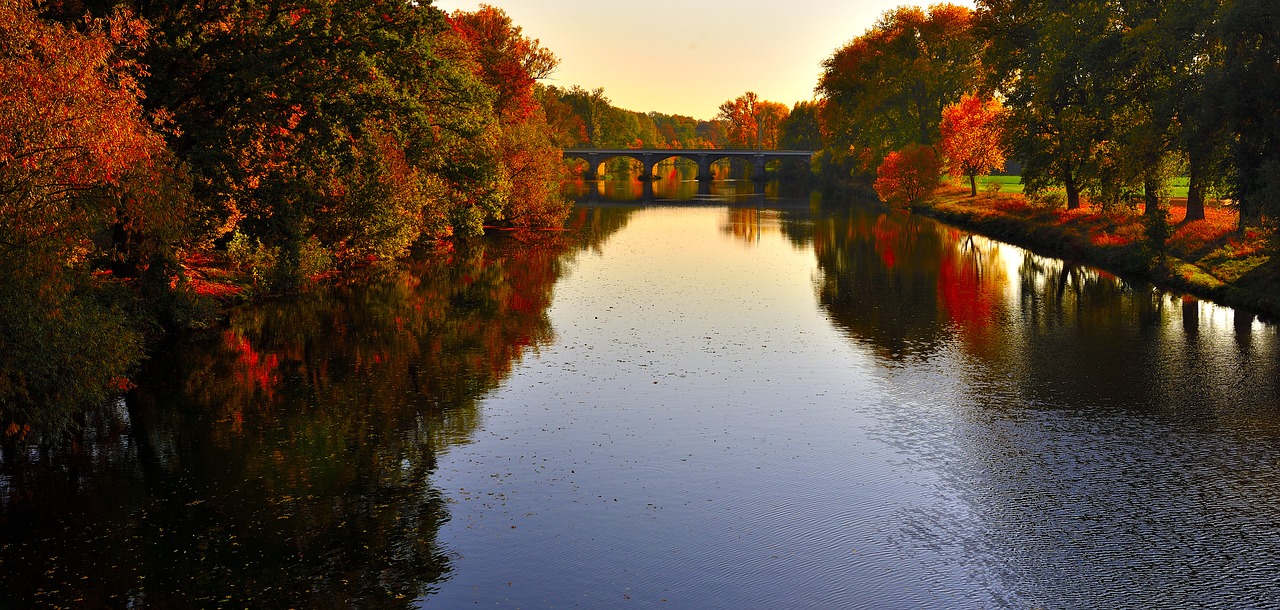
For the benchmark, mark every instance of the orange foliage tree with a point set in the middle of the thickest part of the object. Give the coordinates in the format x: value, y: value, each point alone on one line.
x: 511, y: 65
x: 972, y: 139
x: 753, y: 123
x: 908, y: 177
x: 76, y: 158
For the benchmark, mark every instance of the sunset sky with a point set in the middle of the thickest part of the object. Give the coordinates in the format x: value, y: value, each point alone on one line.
x: 688, y: 56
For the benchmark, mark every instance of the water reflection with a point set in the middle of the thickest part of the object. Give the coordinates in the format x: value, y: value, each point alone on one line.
x: 284, y: 460
x: 678, y: 183
x: 912, y: 289
x: 1091, y: 438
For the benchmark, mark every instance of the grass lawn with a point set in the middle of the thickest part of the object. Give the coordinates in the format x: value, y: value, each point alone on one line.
x: 1013, y: 184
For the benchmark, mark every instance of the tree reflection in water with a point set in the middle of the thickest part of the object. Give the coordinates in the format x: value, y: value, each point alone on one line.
x: 285, y: 459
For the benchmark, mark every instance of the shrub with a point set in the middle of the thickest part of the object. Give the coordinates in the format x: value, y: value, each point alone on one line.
x: 908, y: 177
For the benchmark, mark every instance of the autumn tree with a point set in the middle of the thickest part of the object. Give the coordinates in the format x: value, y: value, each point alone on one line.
x: 78, y: 156
x: 327, y: 130
x: 972, y: 138
x: 511, y: 64
x: 887, y: 88
x: 753, y: 123
x: 907, y: 178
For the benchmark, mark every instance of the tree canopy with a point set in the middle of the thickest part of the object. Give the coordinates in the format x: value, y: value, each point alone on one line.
x: 887, y: 88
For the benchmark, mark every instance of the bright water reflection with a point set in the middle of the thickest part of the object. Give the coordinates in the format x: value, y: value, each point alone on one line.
x: 770, y: 403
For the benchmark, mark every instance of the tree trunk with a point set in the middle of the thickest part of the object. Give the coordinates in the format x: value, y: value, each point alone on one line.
x: 973, y: 185
x: 1073, y: 192
x: 1195, y: 192
x: 1151, y: 196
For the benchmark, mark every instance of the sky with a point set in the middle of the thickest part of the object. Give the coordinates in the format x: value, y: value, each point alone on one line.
x: 688, y: 56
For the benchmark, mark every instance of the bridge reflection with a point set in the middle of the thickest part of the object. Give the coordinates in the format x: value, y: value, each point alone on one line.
x: 683, y: 190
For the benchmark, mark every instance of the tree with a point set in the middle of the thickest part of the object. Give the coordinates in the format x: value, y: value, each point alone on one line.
x: 1249, y: 84
x: 511, y: 64
x: 801, y: 129
x: 1050, y: 62
x: 753, y: 123
x: 972, y: 137
x: 508, y: 61
x: 341, y: 128
x: 887, y: 88
x: 78, y: 155
x: 907, y: 178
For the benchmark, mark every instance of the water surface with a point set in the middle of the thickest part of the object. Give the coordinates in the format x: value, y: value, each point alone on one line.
x: 746, y: 402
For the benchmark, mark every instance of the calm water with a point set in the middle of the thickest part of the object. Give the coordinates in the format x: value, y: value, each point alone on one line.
x: 748, y: 402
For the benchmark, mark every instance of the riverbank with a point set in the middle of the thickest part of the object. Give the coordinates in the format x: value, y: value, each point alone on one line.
x: 1205, y: 258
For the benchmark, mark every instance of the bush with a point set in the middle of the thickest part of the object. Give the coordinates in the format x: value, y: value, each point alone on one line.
x: 908, y: 177
x: 1051, y: 200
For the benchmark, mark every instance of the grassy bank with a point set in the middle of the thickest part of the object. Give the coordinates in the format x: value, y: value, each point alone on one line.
x: 1205, y: 258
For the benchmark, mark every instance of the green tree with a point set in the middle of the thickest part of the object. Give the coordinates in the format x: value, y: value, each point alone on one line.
x: 1051, y: 63
x: 801, y: 129
x: 353, y: 127
x: 1249, y: 84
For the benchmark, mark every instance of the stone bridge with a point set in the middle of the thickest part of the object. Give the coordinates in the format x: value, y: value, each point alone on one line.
x: 650, y: 157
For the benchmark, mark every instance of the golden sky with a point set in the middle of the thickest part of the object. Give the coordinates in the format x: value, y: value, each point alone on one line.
x: 688, y: 56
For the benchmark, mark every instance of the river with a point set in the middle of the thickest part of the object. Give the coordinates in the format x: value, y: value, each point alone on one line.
x: 744, y: 399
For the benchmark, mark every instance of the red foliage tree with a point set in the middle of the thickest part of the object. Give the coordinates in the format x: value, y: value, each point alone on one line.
x: 973, y: 138
x: 908, y: 177
x: 510, y: 62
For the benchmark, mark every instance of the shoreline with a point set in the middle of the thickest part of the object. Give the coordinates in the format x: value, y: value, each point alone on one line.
x: 1249, y: 280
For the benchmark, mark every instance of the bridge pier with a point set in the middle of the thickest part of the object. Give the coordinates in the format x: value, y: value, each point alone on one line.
x: 593, y: 166
x: 704, y: 187
x: 704, y: 168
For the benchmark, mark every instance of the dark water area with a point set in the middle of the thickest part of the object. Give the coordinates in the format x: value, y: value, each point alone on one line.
x: 697, y: 396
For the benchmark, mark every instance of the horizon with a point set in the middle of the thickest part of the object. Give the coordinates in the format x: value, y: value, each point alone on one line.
x: 696, y: 67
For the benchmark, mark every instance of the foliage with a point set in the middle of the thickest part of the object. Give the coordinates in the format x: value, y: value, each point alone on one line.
x: 1248, y: 83
x: 361, y: 125
x: 801, y: 129
x: 530, y: 164
x: 908, y: 178
x: 753, y: 123
x: 972, y: 138
x: 80, y: 165
x: 887, y: 88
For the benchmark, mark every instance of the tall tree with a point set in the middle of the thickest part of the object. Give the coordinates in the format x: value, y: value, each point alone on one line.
x: 350, y: 126
x: 511, y: 64
x: 1052, y: 62
x: 78, y: 155
x: 1249, y: 84
x: 801, y: 129
x: 887, y: 88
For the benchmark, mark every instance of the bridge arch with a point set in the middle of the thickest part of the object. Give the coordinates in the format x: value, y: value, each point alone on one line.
x: 649, y: 158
